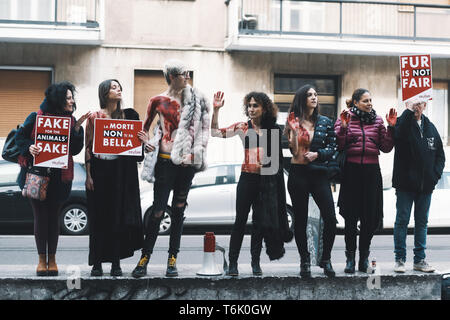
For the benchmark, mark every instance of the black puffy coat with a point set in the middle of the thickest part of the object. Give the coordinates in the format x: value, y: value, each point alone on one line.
x: 419, y: 156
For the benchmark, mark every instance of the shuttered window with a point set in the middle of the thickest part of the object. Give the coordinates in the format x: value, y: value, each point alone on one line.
x: 21, y: 92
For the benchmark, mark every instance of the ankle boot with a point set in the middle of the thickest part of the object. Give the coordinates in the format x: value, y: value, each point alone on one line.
x: 171, y: 270
x: 41, y: 270
x: 256, y: 268
x: 97, y: 270
x: 116, y: 271
x: 363, y: 263
x: 305, y: 267
x: 350, y: 266
x: 327, y: 268
x: 233, y: 269
x: 52, y: 267
x: 141, y: 268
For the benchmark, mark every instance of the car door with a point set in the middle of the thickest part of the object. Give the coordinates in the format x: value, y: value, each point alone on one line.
x: 10, y: 193
x: 439, y: 215
x: 209, y: 200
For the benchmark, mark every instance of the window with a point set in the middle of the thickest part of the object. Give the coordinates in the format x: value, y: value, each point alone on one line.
x: 28, y: 10
x: 212, y: 176
x: 8, y: 174
x: 287, y: 84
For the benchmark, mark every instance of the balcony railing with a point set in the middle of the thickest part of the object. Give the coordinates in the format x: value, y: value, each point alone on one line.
x: 84, y: 13
x: 340, y: 18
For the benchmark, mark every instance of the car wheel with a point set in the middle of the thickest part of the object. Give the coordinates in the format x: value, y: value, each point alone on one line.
x: 74, y: 220
x: 290, y: 216
x: 166, y: 222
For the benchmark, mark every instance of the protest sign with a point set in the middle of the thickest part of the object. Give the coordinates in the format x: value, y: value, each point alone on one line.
x: 52, y: 138
x: 117, y: 137
x: 415, y: 77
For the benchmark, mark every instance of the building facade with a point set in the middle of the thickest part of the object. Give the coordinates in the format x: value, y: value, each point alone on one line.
x: 235, y: 46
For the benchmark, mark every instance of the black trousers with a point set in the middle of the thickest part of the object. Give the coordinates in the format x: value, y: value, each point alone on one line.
x: 46, y: 225
x: 246, y: 193
x: 301, y: 183
x: 168, y: 177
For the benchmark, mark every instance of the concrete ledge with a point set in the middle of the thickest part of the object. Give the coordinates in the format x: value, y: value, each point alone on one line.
x: 408, y: 286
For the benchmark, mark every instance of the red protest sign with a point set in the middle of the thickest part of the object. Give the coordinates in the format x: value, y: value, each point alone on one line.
x: 52, y: 139
x: 415, y: 77
x: 117, y: 137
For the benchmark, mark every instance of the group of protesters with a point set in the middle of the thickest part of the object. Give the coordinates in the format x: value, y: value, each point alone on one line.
x: 175, y: 135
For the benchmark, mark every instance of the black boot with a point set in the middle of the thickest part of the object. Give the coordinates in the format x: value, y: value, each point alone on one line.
x: 141, y: 268
x: 97, y: 270
x: 256, y: 268
x: 305, y: 267
x: 116, y: 271
x: 172, y: 266
x: 350, y: 266
x: 233, y: 269
x: 363, y: 263
x: 327, y: 268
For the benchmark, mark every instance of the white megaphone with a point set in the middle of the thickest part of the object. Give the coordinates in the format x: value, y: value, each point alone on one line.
x: 209, y: 267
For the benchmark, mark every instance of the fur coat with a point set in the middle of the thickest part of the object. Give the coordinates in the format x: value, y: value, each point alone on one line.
x: 193, y: 130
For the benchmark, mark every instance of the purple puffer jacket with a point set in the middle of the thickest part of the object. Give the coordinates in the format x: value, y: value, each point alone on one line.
x: 364, y: 141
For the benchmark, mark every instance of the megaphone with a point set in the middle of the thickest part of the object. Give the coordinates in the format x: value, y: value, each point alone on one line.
x: 209, y: 267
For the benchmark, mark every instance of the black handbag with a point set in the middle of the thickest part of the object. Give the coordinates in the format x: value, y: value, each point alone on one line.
x: 10, y: 150
x: 340, y: 157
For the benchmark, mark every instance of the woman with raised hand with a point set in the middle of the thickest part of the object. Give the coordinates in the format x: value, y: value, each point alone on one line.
x: 262, y: 115
x: 112, y: 187
x: 312, y: 142
x: 59, y: 101
x: 361, y: 132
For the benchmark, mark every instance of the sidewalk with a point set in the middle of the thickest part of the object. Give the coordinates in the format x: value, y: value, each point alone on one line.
x: 279, y: 282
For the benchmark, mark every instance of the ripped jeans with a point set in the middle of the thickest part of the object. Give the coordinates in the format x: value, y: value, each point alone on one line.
x: 168, y: 177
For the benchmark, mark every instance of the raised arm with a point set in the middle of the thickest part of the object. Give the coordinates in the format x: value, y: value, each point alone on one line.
x: 292, y: 127
x: 231, y: 131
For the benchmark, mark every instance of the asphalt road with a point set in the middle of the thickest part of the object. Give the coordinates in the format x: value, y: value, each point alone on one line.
x: 73, y: 250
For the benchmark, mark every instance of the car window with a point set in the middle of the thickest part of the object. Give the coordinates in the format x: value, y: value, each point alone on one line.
x: 8, y: 174
x: 444, y: 182
x: 212, y: 176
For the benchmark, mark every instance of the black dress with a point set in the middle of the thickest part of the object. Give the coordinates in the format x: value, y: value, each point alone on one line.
x: 114, y: 208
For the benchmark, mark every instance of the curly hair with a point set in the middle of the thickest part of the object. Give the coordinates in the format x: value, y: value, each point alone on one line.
x: 270, y: 110
x: 56, y: 96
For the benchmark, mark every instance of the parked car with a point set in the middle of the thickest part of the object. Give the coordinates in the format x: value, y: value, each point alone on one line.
x: 211, y: 199
x: 439, y: 216
x: 16, y: 210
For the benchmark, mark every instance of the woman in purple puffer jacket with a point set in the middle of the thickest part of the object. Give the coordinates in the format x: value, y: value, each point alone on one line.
x: 361, y: 132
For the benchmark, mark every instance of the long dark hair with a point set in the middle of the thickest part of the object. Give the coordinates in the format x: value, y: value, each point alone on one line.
x: 298, y: 105
x: 55, y: 96
x: 103, y: 91
x: 270, y: 110
x: 356, y: 96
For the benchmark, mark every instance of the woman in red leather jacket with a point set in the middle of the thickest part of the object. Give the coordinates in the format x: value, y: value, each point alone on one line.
x: 361, y: 132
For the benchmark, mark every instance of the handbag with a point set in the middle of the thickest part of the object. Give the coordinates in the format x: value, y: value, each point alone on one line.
x: 36, y: 183
x: 336, y: 175
x: 10, y: 151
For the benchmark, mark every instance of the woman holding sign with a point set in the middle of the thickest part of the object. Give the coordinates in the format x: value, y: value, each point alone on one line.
x: 112, y: 187
x: 59, y: 102
x: 361, y: 132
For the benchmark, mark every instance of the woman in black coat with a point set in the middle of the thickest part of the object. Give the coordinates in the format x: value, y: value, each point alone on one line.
x: 313, y: 143
x: 59, y: 101
x: 112, y: 187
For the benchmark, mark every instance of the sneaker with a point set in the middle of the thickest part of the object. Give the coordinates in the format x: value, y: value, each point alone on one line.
x: 172, y: 267
x: 400, y: 266
x: 141, y: 268
x: 423, y: 266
